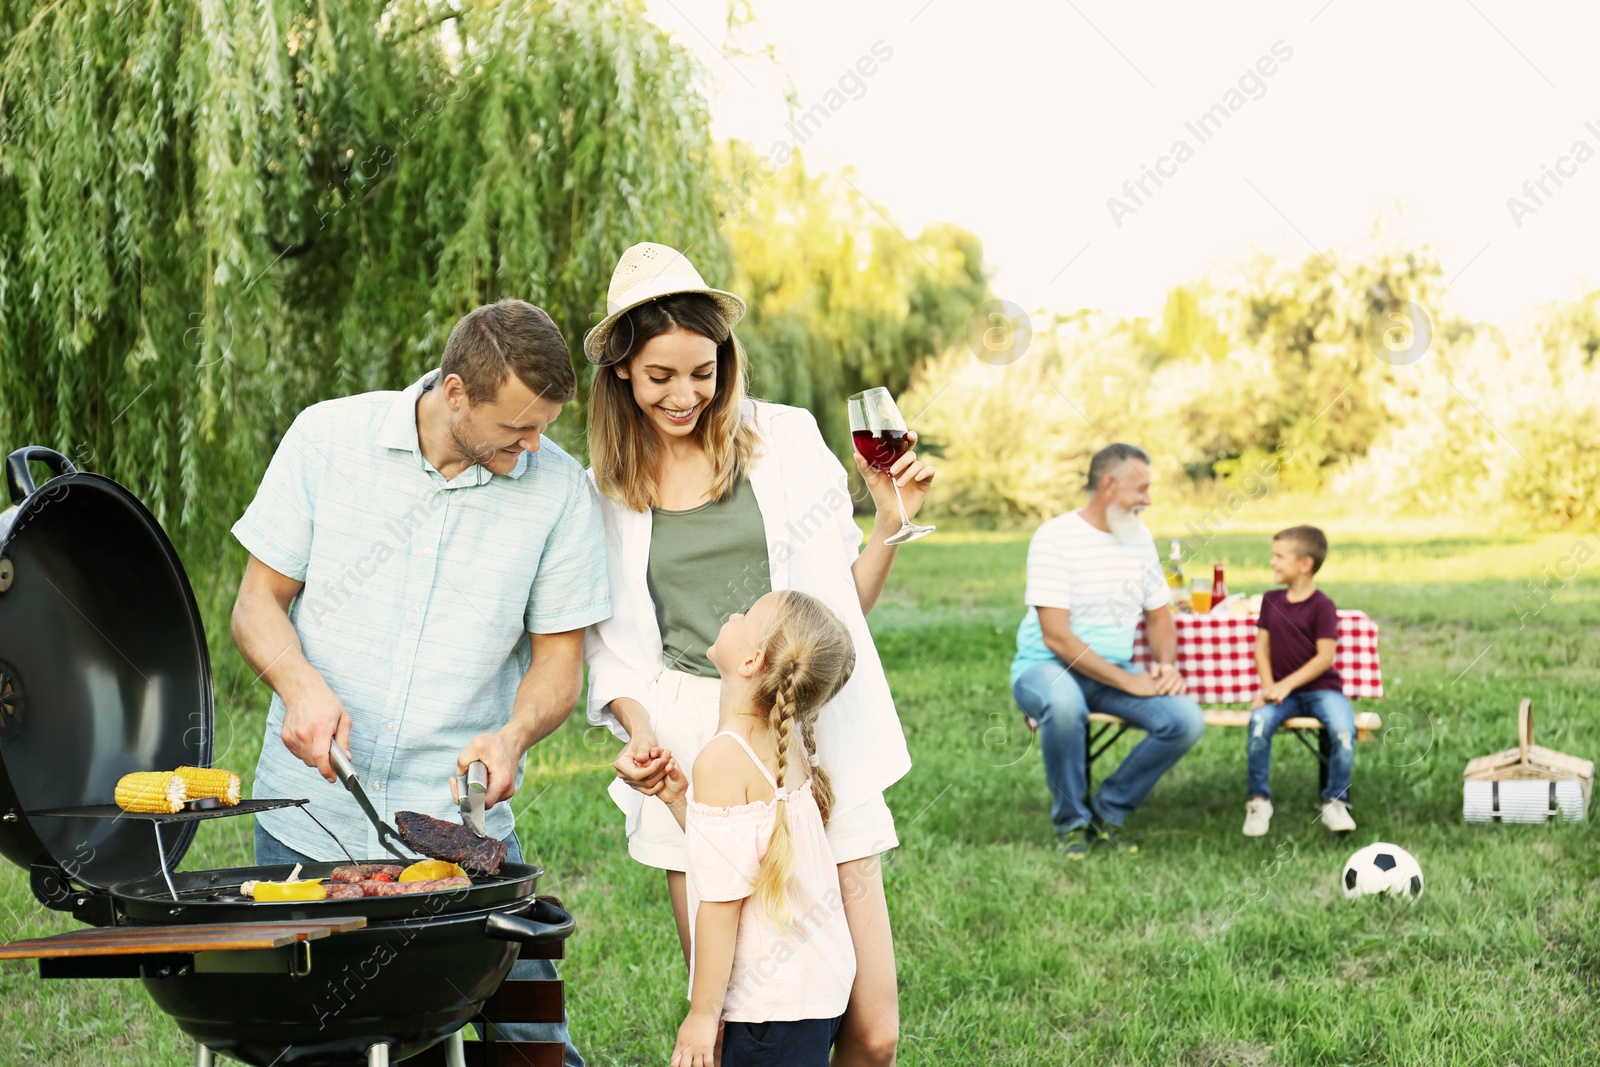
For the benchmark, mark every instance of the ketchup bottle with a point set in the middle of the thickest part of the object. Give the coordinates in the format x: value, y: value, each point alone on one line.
x: 1219, y: 588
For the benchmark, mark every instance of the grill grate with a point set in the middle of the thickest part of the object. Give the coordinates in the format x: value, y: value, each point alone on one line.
x: 111, y: 811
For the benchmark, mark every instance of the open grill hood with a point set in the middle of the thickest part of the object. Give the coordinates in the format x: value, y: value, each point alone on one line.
x: 103, y: 670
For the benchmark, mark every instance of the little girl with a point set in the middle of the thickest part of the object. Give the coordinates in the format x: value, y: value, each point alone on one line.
x: 776, y: 973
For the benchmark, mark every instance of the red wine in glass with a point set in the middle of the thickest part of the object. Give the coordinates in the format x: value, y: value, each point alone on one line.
x: 880, y: 435
x: 880, y: 448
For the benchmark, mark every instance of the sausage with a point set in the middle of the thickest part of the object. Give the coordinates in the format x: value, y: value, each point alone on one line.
x: 344, y: 891
x: 363, y: 871
x: 437, y: 885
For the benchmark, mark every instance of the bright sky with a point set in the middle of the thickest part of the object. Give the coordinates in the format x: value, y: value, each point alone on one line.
x: 1019, y: 120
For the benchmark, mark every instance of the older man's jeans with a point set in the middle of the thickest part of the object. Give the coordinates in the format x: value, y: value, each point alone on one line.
x: 1060, y: 700
x: 272, y: 852
x: 1332, y: 709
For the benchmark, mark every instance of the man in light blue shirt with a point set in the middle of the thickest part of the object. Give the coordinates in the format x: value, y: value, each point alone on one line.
x: 422, y: 567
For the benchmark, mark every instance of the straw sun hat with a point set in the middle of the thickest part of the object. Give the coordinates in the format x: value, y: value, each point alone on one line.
x: 647, y: 272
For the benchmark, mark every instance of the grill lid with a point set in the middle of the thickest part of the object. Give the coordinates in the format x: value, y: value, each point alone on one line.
x: 103, y: 670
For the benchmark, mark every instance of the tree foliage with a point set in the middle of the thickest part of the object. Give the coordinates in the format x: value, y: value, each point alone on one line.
x: 1282, y: 375
x: 213, y: 214
x: 840, y: 299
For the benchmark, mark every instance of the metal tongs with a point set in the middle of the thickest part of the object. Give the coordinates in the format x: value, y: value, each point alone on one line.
x: 347, y: 776
x: 469, y: 790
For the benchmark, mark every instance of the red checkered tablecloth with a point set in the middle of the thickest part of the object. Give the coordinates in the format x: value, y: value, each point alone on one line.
x: 1217, y: 656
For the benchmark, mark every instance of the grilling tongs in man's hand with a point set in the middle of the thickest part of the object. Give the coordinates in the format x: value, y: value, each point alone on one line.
x: 468, y: 790
x: 387, y: 837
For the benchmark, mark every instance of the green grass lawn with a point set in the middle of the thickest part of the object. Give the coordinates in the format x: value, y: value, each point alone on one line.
x: 1206, y: 948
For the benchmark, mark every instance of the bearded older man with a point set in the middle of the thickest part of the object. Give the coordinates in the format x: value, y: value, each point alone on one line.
x: 1090, y: 574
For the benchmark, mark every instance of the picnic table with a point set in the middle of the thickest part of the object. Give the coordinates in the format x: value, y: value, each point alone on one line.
x: 1217, y: 658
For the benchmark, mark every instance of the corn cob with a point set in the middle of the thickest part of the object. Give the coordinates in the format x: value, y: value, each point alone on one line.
x: 151, y: 791
x: 210, y: 782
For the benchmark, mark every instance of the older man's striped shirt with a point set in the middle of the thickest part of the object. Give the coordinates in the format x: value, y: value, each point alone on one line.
x: 1105, y: 583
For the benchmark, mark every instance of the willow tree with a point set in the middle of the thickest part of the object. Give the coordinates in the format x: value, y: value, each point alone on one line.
x: 840, y: 298
x: 214, y: 213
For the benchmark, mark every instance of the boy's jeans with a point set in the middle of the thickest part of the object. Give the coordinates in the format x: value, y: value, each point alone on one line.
x: 1060, y: 699
x: 271, y: 852
x: 1332, y: 709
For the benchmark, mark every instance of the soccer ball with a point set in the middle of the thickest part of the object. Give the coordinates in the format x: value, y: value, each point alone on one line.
x: 1381, y: 868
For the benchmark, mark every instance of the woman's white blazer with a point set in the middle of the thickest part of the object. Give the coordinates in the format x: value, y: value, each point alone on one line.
x: 812, y: 540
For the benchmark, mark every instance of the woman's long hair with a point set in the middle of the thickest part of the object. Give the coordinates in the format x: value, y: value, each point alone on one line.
x: 623, y: 446
x: 809, y: 656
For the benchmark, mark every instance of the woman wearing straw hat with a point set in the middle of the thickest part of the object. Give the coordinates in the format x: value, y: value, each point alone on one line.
x: 710, y: 500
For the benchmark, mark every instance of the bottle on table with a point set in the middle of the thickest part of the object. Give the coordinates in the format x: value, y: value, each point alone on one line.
x: 1175, y: 582
x: 1219, y: 586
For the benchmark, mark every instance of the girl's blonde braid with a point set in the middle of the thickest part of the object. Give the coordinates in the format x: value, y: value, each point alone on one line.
x: 777, y: 869
x: 821, y: 787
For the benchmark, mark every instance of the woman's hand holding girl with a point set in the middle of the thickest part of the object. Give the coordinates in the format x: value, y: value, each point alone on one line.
x: 642, y: 763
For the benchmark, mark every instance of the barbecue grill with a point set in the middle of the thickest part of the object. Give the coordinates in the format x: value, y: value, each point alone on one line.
x: 104, y: 670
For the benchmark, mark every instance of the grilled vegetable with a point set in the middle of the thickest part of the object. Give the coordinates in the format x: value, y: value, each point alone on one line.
x: 310, y: 889
x: 291, y: 888
x: 425, y: 870
x: 151, y: 791
x: 210, y: 782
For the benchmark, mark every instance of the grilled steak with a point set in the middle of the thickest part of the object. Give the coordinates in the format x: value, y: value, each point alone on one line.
x: 442, y: 840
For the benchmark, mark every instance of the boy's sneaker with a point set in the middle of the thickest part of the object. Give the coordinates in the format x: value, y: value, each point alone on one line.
x: 1336, y: 817
x: 1073, y: 844
x: 1257, y: 815
x: 1104, y: 835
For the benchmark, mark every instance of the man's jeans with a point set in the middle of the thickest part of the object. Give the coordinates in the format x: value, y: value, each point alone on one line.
x: 272, y: 852
x: 1332, y: 709
x: 1060, y: 700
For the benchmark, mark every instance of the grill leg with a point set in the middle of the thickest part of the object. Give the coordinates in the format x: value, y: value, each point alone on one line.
x: 204, y: 1057
x: 455, y: 1049
x: 378, y: 1055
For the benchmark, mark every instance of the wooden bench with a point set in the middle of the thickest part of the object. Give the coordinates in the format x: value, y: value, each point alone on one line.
x: 1368, y: 723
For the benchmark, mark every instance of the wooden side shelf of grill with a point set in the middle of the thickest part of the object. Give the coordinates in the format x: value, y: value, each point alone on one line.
x: 202, y: 937
x: 518, y: 1000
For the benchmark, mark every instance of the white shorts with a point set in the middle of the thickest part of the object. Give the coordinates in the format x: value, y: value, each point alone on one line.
x: 684, y: 717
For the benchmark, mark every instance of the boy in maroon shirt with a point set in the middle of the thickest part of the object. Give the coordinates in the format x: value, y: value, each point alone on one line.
x: 1295, y: 639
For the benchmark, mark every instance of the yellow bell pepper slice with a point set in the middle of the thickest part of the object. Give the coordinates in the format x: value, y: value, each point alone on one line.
x: 427, y: 870
x: 310, y: 889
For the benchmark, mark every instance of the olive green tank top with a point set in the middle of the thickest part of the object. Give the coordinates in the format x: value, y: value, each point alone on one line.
x: 705, y: 564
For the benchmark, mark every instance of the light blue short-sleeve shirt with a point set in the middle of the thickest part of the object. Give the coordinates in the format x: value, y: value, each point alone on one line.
x: 419, y: 597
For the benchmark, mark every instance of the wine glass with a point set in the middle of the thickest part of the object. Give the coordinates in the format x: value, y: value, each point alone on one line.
x: 879, y: 433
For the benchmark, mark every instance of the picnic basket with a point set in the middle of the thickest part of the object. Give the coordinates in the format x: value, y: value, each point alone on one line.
x: 1528, y: 783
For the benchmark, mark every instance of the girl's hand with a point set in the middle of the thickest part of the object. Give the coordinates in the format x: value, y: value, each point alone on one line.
x: 675, y: 785
x: 908, y: 472
x: 697, y: 1038
x: 642, y: 763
